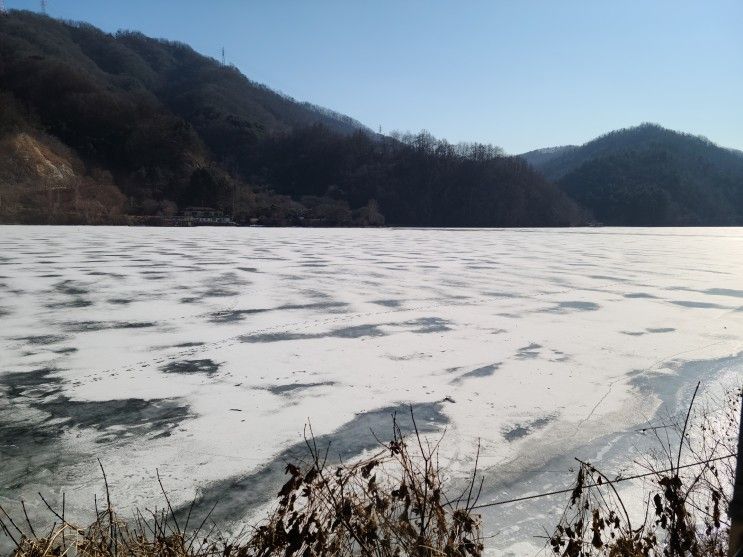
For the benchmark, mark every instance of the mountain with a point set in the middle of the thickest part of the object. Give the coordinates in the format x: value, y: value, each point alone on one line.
x: 539, y: 157
x: 649, y: 175
x: 159, y: 127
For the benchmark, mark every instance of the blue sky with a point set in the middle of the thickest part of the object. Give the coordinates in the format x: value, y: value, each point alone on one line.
x: 521, y: 74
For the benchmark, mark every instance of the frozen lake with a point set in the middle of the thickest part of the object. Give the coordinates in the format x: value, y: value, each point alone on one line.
x: 203, y: 352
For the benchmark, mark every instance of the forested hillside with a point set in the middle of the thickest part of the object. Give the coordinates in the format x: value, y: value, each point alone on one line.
x: 651, y: 176
x: 168, y: 128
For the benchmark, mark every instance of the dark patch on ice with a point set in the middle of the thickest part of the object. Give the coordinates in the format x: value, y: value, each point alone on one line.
x: 649, y: 330
x: 206, y: 366
x: 219, y: 292
x: 502, y: 294
x: 388, y: 303
x: 357, y: 331
x: 234, y: 315
x: 276, y: 337
x: 188, y: 344
x: 288, y: 389
x: 104, y: 274
x: 421, y: 326
x: 71, y: 288
x: 698, y: 305
x: 74, y: 303
x: 42, y: 340
x: 484, y: 371
x: 522, y: 430
x: 639, y: 295
x: 120, y: 301
x: 314, y: 305
x: 88, y: 326
x: 318, y: 294
x: 725, y: 292
x: 606, y: 277
x: 39, y: 415
x: 559, y: 356
x: 222, y: 286
x: 516, y: 432
x: 37, y: 383
x: 118, y: 419
x: 429, y: 325
x: 528, y: 352
x: 248, y: 269
x: 566, y: 307
x: 65, y: 350
x: 239, y: 494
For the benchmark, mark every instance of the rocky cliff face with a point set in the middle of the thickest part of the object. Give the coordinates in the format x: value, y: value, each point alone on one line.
x: 42, y: 181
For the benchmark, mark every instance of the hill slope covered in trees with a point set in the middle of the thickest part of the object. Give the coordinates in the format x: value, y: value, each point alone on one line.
x: 650, y: 176
x: 166, y: 128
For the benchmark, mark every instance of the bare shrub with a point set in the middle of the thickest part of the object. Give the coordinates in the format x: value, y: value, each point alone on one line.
x: 684, y: 510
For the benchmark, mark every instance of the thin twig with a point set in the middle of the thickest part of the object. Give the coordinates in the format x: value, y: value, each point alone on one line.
x: 686, y: 423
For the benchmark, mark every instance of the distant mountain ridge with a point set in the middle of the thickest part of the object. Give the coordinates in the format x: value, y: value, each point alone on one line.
x: 539, y: 157
x: 561, y: 160
x: 649, y: 175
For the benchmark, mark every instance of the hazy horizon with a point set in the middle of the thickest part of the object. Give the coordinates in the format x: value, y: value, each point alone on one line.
x: 522, y: 76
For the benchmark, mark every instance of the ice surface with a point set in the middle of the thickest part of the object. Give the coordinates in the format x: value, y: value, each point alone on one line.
x: 203, y: 353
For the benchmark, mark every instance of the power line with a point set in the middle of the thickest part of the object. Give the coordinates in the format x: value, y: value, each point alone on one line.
x: 570, y: 490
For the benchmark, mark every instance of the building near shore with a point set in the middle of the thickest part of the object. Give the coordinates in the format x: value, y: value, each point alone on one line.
x: 203, y: 216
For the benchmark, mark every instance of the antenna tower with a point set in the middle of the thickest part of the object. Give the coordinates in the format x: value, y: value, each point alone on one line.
x: 2, y: 7
x: 43, y: 6
x: 223, y: 59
